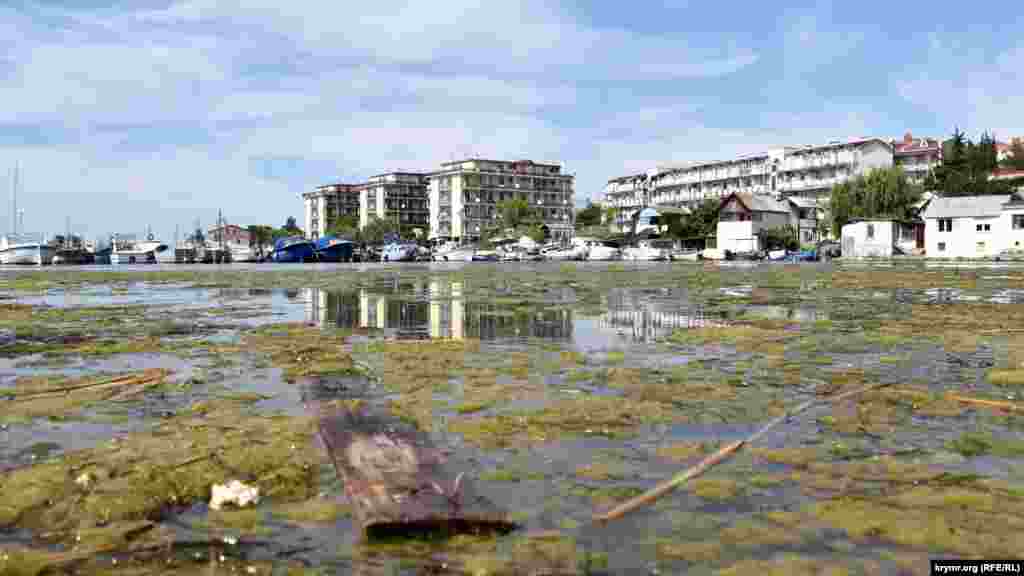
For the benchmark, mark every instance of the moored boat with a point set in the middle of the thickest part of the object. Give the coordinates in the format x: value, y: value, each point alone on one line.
x: 124, y: 249
x: 644, y: 250
x: 399, y: 252
x: 334, y: 249
x: 25, y: 249
x: 293, y: 249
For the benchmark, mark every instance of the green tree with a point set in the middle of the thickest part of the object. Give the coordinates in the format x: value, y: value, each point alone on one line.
x: 589, y: 216
x: 536, y: 233
x: 783, y: 237
x: 967, y: 168
x: 345, y: 226
x: 515, y: 212
x: 376, y: 229
x: 260, y: 236
x: 881, y: 193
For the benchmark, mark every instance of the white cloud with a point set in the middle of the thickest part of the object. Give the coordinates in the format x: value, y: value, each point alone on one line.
x: 970, y: 89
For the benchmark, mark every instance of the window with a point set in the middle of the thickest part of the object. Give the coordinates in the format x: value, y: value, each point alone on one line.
x: 983, y: 227
x: 945, y: 224
x: 1018, y: 221
x: 942, y: 246
x: 871, y: 231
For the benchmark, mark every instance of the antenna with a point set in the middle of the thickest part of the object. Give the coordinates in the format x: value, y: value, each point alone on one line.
x: 14, y: 215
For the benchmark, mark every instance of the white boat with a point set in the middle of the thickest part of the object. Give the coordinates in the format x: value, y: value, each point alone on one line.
x: 243, y: 253
x: 399, y: 252
x: 25, y: 249
x: 559, y: 252
x: 126, y: 250
x: 712, y: 254
x: 598, y: 249
x: 644, y: 250
x: 452, y: 252
x: 685, y: 255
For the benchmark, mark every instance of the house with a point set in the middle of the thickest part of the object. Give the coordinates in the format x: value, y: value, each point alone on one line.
x: 973, y: 226
x: 742, y: 218
x: 804, y: 218
x: 881, y: 238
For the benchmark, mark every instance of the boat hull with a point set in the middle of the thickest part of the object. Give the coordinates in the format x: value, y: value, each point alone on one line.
x: 31, y: 255
x: 132, y: 258
x: 294, y: 253
x: 335, y: 251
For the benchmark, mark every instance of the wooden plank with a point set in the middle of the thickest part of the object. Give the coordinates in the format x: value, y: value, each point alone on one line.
x: 398, y: 483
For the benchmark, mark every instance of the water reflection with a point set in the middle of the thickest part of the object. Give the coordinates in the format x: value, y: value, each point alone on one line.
x: 644, y: 321
x: 451, y: 316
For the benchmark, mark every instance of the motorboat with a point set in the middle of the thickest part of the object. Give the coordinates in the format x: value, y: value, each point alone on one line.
x: 486, y: 256
x: 293, y: 249
x: 124, y: 249
x: 334, y: 249
x: 644, y: 250
x: 712, y: 254
x: 595, y: 249
x: 452, y: 252
x: 685, y: 255
x: 560, y: 252
x: 25, y: 249
x: 399, y: 252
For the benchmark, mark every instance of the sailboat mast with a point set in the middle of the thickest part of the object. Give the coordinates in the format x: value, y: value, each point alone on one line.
x: 15, y: 213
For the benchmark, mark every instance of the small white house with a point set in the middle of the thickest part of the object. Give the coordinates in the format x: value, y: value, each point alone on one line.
x: 879, y: 238
x: 742, y: 218
x: 971, y: 226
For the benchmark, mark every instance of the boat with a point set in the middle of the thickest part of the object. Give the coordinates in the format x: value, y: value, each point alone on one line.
x: 685, y: 255
x: 598, y: 249
x: 644, y: 250
x: 486, y: 256
x: 560, y: 252
x: 777, y: 255
x: 453, y: 252
x: 124, y: 249
x: 25, y: 249
x: 293, y: 249
x: 334, y: 249
x: 712, y: 254
x: 399, y: 252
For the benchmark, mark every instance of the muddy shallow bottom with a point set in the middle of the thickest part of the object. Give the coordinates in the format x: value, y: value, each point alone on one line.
x: 560, y: 389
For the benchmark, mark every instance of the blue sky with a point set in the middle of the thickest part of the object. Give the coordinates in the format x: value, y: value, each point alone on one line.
x: 124, y: 115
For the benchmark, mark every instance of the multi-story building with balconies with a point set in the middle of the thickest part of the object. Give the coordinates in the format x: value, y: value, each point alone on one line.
x: 400, y: 197
x: 326, y: 204
x: 465, y: 196
x: 917, y: 156
x: 792, y: 171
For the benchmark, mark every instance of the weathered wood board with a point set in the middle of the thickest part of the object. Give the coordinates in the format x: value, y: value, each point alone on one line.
x: 398, y: 483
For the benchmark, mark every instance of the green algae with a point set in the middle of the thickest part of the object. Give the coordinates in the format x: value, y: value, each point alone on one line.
x: 1013, y: 377
x: 175, y: 463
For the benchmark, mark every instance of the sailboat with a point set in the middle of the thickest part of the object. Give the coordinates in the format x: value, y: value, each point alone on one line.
x: 21, y: 248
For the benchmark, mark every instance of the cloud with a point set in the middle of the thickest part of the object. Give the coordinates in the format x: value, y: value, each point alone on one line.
x: 970, y: 88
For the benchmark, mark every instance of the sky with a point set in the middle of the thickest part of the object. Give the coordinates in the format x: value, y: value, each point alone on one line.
x: 123, y: 115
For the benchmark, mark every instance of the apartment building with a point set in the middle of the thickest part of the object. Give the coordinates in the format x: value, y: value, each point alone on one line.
x: 400, y: 197
x: 464, y: 196
x: 805, y: 171
x: 917, y: 156
x: 323, y: 207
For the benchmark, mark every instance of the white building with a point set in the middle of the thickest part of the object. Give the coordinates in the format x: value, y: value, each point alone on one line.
x: 464, y: 196
x: 806, y: 171
x: 973, y: 226
x: 324, y: 205
x: 744, y: 217
x: 397, y: 196
x: 879, y: 238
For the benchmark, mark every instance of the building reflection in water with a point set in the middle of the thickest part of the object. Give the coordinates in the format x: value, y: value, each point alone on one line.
x: 651, y: 321
x: 444, y: 313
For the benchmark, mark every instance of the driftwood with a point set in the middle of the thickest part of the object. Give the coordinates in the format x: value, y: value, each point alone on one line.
x: 678, y: 480
x: 397, y: 482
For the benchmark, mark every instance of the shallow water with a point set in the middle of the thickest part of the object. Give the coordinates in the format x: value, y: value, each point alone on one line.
x: 614, y: 316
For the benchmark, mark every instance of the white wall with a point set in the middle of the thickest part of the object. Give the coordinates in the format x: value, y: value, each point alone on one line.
x: 1010, y: 239
x: 874, y: 155
x: 742, y: 236
x: 962, y: 241
x: 307, y: 207
x: 856, y: 244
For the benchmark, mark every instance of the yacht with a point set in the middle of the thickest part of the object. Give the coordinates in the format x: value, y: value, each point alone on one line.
x: 598, y: 249
x: 25, y: 249
x: 452, y: 252
x: 124, y: 249
x: 399, y: 252
x: 644, y: 250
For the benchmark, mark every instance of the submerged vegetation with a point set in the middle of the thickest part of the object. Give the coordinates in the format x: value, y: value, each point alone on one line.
x: 562, y: 390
